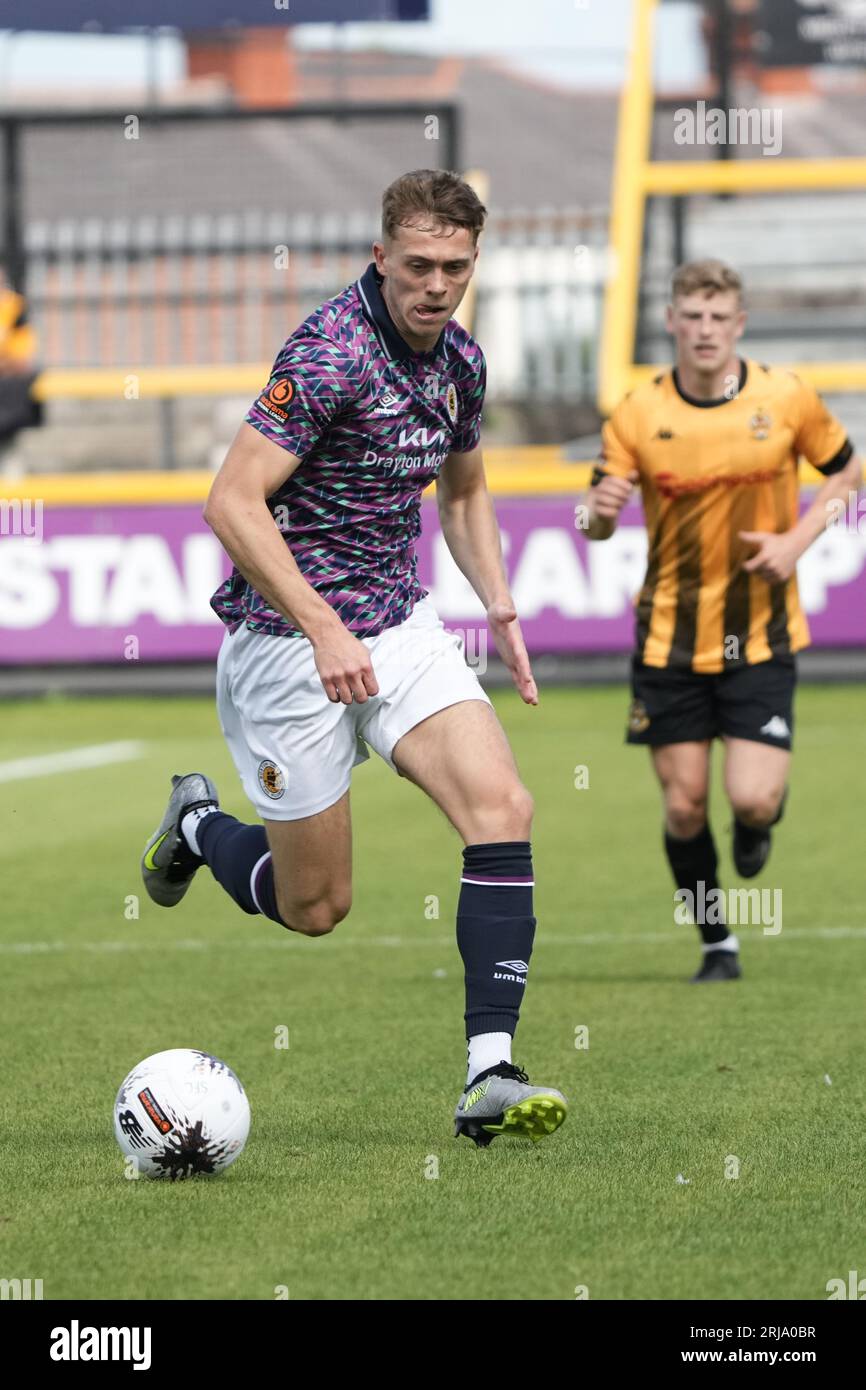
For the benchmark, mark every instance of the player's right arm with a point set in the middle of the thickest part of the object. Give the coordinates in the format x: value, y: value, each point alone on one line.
x: 236, y: 510
x: 613, y: 478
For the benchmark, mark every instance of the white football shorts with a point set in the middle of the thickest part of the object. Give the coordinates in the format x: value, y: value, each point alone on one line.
x: 293, y: 747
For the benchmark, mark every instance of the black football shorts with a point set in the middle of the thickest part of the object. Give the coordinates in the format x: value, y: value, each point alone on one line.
x: 676, y: 706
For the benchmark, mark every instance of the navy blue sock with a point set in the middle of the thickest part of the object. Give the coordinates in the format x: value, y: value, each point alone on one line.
x: 240, y: 860
x: 495, y: 930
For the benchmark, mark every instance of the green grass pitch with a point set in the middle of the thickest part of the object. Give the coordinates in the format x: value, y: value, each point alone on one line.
x: 333, y: 1198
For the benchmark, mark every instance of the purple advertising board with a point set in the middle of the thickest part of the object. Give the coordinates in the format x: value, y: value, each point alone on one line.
x: 113, y: 583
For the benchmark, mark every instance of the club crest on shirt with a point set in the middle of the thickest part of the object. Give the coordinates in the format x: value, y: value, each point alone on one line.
x: 276, y: 398
x: 760, y: 425
x: 271, y: 780
x: 638, y: 719
x: 451, y: 402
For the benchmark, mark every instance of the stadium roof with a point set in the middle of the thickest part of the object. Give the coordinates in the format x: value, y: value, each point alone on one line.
x: 94, y: 16
x: 542, y: 146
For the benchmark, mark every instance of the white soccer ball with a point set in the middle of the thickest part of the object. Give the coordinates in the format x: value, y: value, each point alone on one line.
x: 181, y: 1112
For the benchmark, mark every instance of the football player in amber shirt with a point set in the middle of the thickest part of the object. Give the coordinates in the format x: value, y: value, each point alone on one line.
x: 17, y: 338
x: 714, y: 444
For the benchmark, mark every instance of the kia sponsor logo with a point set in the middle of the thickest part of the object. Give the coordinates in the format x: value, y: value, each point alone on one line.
x: 422, y: 438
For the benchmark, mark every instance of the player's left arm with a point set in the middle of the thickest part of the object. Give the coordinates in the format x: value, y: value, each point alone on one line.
x: 471, y: 531
x: 822, y: 440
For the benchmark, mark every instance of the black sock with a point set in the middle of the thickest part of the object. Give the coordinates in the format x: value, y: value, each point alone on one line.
x: 694, y: 862
x: 751, y: 835
x: 233, y: 851
x: 495, y: 930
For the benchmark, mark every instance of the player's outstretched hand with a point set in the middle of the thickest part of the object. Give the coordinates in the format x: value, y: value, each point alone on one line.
x: 502, y: 620
x: 345, y: 668
x: 775, y: 559
x: 611, y: 494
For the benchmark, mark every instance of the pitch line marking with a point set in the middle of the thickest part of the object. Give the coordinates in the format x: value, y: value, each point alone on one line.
x: 72, y: 760
x: 293, y: 941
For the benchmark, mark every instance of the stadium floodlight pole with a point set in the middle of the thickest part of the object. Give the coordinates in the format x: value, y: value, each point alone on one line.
x: 723, y: 62
x: 12, y: 246
x: 151, y: 39
x: 638, y: 178
x: 634, y: 131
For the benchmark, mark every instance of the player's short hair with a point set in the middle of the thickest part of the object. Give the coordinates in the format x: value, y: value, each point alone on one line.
x: 432, y: 195
x: 711, y: 276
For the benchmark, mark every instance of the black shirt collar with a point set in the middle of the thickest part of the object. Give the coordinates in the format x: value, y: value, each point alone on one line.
x: 369, y: 288
x: 720, y: 400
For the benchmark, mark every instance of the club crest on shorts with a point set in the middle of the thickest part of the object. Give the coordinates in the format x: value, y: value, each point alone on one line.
x: 638, y: 719
x: 760, y: 424
x: 271, y: 780
x: 451, y: 402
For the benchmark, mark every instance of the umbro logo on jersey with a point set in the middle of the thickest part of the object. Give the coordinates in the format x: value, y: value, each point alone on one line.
x: 390, y: 404
x: 776, y: 727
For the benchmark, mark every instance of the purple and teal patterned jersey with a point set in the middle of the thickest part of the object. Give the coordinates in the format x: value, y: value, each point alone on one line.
x: 372, y: 421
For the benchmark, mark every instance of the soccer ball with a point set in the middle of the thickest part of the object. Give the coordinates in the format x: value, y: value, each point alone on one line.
x: 181, y: 1112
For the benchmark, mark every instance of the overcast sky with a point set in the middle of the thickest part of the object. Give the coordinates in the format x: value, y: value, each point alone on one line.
x: 577, y: 43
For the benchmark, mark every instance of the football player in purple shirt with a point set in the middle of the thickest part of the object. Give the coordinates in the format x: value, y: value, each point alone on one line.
x: 332, y: 645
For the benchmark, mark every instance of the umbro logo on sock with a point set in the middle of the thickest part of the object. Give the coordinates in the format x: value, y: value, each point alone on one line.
x: 510, y: 967
x: 776, y: 727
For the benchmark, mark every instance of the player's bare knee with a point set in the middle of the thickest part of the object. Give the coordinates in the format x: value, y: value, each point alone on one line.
x: 315, y: 918
x: 508, y: 815
x: 521, y: 807
x: 757, y: 810
x: 686, y: 813
x: 313, y: 921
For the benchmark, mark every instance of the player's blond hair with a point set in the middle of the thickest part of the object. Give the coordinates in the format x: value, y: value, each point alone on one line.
x: 708, y: 276
x: 432, y: 195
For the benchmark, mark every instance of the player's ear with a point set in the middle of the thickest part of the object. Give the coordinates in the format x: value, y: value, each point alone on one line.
x: 740, y: 323
x: 379, y: 255
x: 669, y: 317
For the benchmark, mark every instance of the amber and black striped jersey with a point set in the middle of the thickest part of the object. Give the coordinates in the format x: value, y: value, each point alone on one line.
x: 17, y: 339
x: 708, y: 470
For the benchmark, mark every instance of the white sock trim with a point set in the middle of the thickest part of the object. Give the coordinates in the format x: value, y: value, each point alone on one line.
x: 258, y: 864
x: 730, y: 943
x: 189, y: 826
x: 485, y: 1050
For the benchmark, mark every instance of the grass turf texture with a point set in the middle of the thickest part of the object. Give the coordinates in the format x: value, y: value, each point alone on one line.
x: 330, y: 1197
